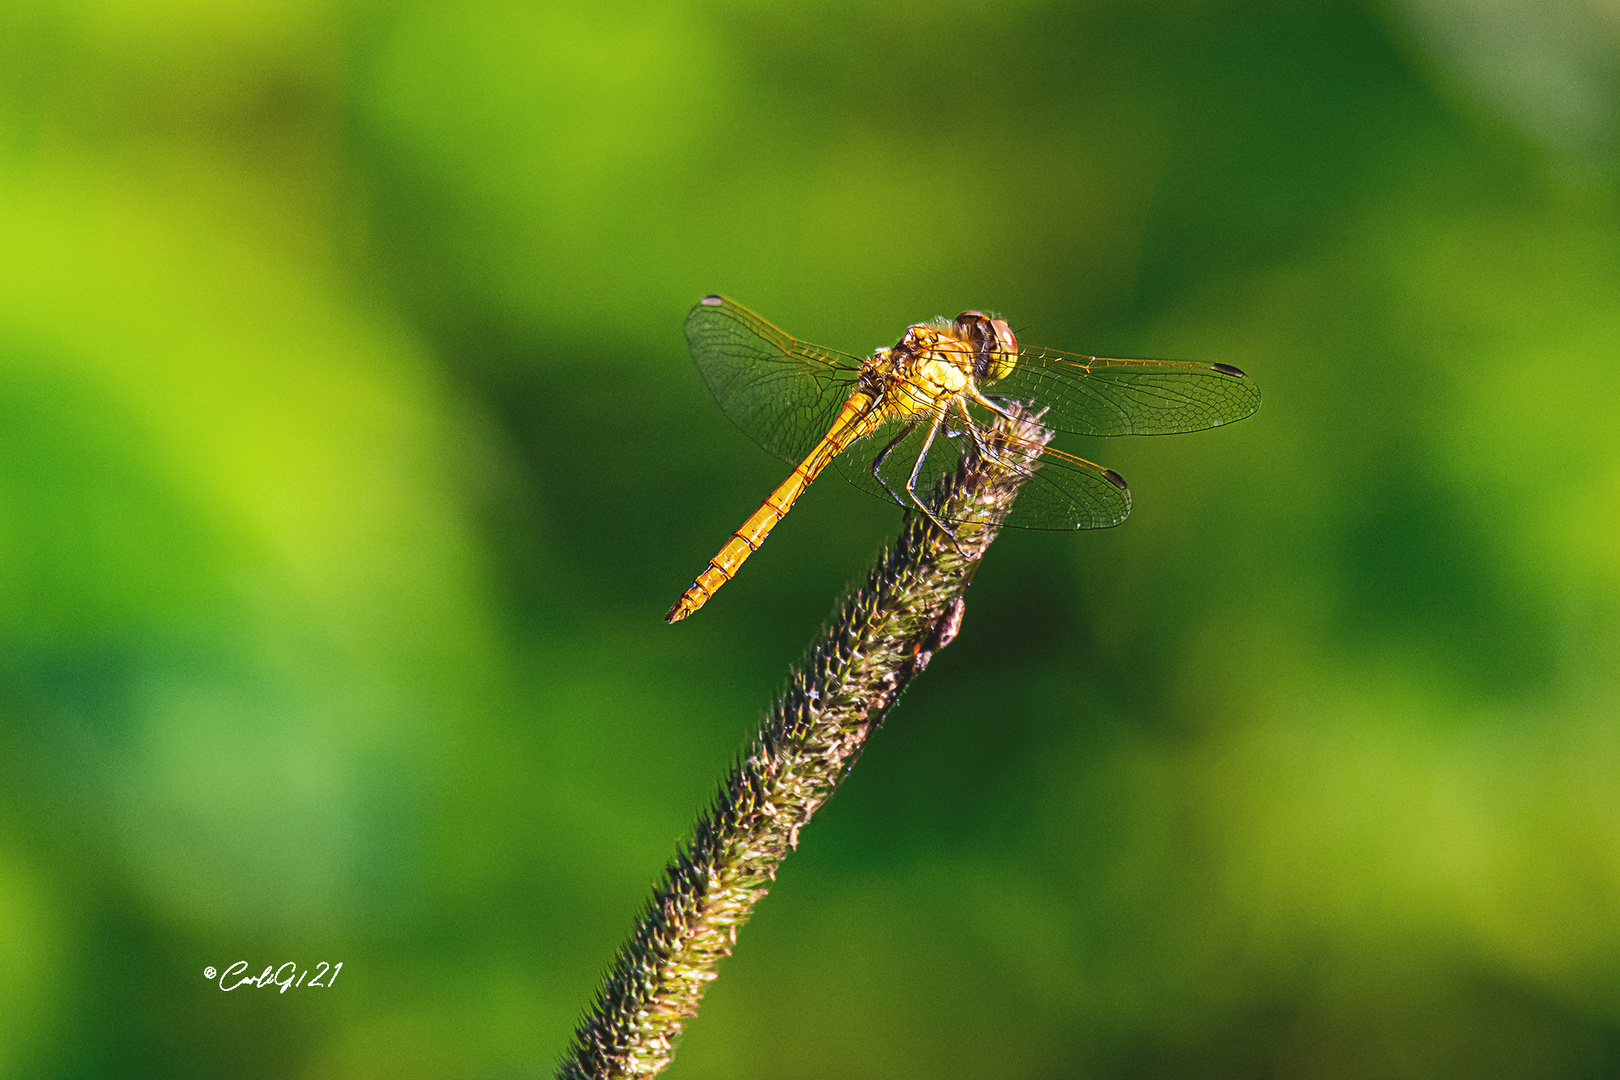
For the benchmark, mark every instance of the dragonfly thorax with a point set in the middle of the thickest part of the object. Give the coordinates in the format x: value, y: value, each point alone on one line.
x: 928, y: 370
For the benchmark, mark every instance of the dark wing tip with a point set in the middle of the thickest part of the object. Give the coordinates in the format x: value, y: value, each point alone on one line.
x: 713, y: 300
x: 1116, y: 479
x: 1224, y: 369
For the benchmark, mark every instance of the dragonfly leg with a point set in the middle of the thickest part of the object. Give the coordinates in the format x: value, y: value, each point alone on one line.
x: 973, y: 430
x: 990, y: 403
x: 911, y: 482
x: 883, y: 455
x: 999, y: 456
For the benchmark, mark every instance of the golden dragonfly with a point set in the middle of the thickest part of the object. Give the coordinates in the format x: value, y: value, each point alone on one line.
x: 808, y: 405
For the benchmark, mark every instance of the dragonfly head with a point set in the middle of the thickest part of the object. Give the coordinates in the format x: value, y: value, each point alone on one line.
x: 995, y: 348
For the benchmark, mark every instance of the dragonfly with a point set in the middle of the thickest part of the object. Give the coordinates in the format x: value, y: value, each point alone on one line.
x: 903, y: 417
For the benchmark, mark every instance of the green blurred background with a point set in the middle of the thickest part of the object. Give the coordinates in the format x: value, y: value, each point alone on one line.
x: 350, y: 457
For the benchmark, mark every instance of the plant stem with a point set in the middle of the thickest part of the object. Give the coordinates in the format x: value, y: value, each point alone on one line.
x: 910, y: 606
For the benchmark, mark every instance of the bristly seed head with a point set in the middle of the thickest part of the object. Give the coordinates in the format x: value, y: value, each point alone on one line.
x: 884, y: 633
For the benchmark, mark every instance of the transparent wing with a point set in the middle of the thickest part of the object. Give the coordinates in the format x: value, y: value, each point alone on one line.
x: 1062, y: 492
x: 782, y: 392
x: 1090, y: 395
x: 1068, y: 492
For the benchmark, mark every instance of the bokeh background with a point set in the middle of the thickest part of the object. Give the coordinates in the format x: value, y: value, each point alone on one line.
x: 350, y: 457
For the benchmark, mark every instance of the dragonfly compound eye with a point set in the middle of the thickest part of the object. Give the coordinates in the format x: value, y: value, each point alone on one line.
x: 1006, y: 350
x: 995, y: 348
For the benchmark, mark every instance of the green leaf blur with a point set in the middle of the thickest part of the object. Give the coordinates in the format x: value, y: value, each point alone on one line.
x: 350, y: 457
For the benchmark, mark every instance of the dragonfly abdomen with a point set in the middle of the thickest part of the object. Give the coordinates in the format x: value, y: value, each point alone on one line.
x: 854, y: 421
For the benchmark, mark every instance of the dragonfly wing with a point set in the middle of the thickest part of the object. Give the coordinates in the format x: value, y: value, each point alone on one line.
x: 782, y: 392
x: 1066, y: 492
x: 1088, y: 395
x: 1061, y: 491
